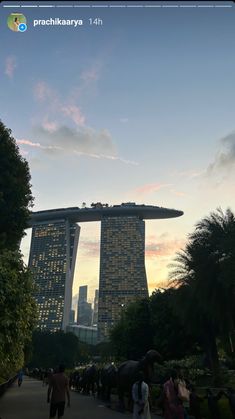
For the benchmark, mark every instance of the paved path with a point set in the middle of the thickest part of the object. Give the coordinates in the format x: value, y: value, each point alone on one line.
x: 29, y: 402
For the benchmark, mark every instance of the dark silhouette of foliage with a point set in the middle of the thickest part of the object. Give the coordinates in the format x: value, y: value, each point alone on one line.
x: 17, y: 306
x: 49, y: 349
x: 15, y: 191
x: 204, y: 272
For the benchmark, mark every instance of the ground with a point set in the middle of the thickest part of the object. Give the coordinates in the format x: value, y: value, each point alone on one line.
x: 29, y: 402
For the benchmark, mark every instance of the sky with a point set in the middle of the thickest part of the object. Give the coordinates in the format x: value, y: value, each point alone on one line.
x: 139, y: 108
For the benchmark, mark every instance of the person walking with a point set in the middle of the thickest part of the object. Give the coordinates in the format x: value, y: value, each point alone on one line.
x: 20, y: 377
x: 59, y: 387
x: 140, y: 396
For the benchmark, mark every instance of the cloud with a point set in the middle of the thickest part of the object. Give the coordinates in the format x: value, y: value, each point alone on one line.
x: 10, y: 66
x: 163, y: 248
x: 37, y: 145
x: 158, y: 284
x: 28, y: 142
x: 124, y: 120
x: 81, y: 140
x: 177, y: 193
x: 75, y: 113
x: 152, y: 187
x: 225, y: 158
x: 43, y: 92
x: 190, y: 173
x: 89, y: 248
x: 50, y: 126
x: 106, y: 156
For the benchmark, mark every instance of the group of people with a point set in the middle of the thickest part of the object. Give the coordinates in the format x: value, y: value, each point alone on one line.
x: 174, y: 400
x: 178, y: 398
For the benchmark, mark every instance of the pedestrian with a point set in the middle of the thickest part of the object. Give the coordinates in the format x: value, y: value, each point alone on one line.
x: 173, y: 408
x: 20, y: 377
x: 140, y: 396
x: 59, y: 387
x: 183, y: 393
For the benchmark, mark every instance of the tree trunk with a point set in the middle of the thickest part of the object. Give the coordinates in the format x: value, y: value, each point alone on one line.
x: 212, y: 356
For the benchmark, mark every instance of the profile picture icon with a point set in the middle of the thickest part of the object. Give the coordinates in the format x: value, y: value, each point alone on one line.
x: 17, y: 22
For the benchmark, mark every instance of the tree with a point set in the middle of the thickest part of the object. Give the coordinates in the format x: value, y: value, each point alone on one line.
x: 205, y: 273
x: 49, y: 349
x: 132, y: 337
x: 17, y: 311
x: 17, y: 306
x: 170, y: 336
x: 15, y: 191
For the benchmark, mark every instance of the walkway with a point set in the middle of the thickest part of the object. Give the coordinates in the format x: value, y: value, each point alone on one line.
x: 29, y: 402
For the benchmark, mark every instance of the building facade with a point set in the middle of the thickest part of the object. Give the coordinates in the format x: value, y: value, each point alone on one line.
x: 95, y: 309
x: 52, y: 262
x: 84, y: 309
x: 122, y: 269
x: 82, y: 293
x: 84, y: 333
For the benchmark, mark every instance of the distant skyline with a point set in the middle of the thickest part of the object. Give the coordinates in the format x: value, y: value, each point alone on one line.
x: 139, y: 109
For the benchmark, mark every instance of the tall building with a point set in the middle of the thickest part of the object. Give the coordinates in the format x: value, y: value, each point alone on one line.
x: 122, y: 268
x: 82, y: 294
x: 95, y: 309
x: 52, y: 262
x: 84, y: 313
x: 72, y: 317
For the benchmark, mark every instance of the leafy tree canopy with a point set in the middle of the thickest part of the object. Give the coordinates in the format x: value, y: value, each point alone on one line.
x: 15, y: 191
x: 17, y: 311
x: 51, y: 349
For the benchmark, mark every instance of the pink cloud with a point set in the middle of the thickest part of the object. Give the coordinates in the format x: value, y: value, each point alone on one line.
x: 10, y: 66
x: 43, y: 92
x: 163, y: 248
x: 28, y: 142
x: 49, y: 126
x: 90, y: 248
x: 152, y: 187
x: 38, y: 145
x: 74, y: 112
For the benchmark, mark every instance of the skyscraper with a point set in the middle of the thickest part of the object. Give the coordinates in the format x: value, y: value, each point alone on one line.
x: 122, y: 268
x: 95, y: 310
x: 82, y: 294
x: 84, y: 313
x: 52, y: 262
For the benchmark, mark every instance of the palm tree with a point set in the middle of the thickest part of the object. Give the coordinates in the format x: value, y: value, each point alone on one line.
x: 204, y: 272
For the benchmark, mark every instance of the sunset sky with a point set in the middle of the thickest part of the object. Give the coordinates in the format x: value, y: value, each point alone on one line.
x: 138, y: 109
